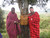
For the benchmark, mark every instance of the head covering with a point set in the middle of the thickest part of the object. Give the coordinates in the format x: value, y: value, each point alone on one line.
x: 31, y: 7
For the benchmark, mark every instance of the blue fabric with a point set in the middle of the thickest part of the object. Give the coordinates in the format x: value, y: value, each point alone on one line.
x: 0, y: 35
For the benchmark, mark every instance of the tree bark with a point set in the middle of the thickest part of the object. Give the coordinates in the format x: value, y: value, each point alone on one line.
x: 20, y: 5
x: 26, y: 6
x: 23, y: 6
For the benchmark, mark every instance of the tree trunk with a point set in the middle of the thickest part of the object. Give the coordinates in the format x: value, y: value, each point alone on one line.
x: 26, y: 6
x: 20, y: 5
x: 23, y: 5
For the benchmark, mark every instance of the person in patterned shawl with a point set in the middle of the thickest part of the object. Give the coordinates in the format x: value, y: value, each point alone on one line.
x: 12, y: 24
x: 34, y: 20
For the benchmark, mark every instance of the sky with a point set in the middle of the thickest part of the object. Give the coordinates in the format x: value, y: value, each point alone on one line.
x: 36, y: 8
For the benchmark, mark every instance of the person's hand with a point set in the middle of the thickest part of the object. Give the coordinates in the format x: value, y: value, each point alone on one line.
x: 15, y: 22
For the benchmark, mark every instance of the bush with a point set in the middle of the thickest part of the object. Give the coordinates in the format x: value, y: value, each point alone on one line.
x: 45, y: 34
x: 2, y: 23
x: 44, y: 24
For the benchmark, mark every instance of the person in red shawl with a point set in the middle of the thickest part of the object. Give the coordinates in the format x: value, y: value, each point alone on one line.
x: 12, y: 26
x: 34, y: 20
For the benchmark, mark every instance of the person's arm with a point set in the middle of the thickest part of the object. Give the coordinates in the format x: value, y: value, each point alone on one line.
x: 37, y: 19
x: 18, y: 21
x: 8, y: 22
x: 18, y: 24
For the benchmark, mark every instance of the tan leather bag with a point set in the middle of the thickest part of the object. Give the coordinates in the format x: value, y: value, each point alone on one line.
x: 24, y: 19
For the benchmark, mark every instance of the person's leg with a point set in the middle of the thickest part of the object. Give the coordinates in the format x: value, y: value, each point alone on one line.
x: 15, y: 36
x: 37, y: 32
x: 22, y: 27
x: 10, y: 36
x: 26, y: 32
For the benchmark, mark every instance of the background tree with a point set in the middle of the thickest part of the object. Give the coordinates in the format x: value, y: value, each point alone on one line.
x: 2, y: 23
x: 23, y: 4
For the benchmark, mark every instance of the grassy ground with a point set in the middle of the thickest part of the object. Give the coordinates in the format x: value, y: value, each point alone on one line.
x: 45, y: 26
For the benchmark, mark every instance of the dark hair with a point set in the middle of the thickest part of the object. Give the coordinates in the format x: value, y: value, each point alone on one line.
x: 31, y: 7
x: 12, y: 8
